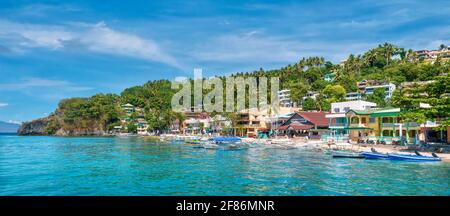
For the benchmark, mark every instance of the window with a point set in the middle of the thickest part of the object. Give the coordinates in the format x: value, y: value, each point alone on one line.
x: 372, y: 120
x: 336, y: 110
x: 346, y: 109
x: 363, y: 120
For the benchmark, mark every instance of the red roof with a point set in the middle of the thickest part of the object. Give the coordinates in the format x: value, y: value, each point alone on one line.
x: 284, y: 127
x: 295, y: 127
x: 317, y: 118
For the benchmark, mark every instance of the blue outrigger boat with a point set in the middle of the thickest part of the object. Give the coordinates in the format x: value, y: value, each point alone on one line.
x: 401, y: 157
x: 375, y: 155
x: 414, y: 157
x: 346, y: 154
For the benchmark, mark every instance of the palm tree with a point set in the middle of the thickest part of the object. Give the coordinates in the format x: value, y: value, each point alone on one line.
x: 411, y: 55
x: 370, y: 57
x: 388, y: 50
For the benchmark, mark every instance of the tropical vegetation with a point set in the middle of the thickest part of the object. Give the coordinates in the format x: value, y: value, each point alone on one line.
x: 384, y: 62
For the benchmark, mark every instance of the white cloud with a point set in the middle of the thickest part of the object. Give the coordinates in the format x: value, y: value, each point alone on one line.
x: 256, y: 47
x: 102, y: 39
x: 96, y: 38
x: 33, y: 82
x: 3, y: 104
x: 250, y: 46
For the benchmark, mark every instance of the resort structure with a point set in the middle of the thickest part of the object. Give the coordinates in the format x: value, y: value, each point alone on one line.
x: 253, y: 121
x: 389, y: 89
x: 361, y: 120
x: 353, y: 96
x: 338, y: 121
x: 311, y: 124
x: 284, y: 98
x: 311, y: 94
x: 431, y: 55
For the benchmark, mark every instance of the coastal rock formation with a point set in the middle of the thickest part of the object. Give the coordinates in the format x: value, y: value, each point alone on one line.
x: 35, y: 127
x: 41, y: 127
x: 81, y: 132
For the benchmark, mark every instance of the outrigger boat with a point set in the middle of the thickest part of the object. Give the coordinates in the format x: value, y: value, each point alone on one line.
x: 224, y: 143
x: 374, y: 154
x: 281, y: 144
x: 346, y: 154
x: 415, y: 157
x: 403, y: 157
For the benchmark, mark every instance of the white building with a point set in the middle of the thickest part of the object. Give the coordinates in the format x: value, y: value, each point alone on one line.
x: 342, y: 107
x: 389, y: 89
x: 351, y: 96
x: 311, y: 94
x: 284, y: 97
x: 337, y: 116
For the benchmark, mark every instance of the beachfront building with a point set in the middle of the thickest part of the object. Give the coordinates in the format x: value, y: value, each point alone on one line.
x: 142, y: 128
x: 220, y: 125
x: 361, y: 120
x: 431, y: 132
x: 337, y: 116
x: 381, y: 124
x: 278, y: 120
x: 142, y: 125
x: 251, y: 122
x: 197, y: 124
x: 311, y: 124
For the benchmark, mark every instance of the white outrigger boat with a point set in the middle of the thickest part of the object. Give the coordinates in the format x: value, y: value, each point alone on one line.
x: 224, y: 143
x: 281, y: 143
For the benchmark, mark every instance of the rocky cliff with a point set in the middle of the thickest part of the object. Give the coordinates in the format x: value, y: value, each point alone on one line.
x: 35, y: 127
x: 41, y: 127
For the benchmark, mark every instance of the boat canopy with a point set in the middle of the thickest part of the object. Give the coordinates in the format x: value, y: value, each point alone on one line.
x: 226, y: 139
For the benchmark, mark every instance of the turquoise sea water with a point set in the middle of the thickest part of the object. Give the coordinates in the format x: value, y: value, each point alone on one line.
x: 138, y: 166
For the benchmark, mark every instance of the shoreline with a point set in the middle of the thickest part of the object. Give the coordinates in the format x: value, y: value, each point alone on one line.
x: 314, y: 144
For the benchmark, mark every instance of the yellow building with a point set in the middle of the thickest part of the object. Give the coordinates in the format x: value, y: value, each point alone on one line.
x: 251, y: 121
x: 376, y: 124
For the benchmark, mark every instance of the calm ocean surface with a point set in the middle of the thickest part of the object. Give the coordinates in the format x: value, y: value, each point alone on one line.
x: 139, y: 166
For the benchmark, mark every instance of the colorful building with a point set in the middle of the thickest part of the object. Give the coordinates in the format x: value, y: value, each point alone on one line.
x: 384, y: 124
x: 311, y: 124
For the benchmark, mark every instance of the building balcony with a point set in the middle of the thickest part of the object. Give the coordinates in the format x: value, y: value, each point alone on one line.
x: 359, y: 125
x: 404, y: 125
x: 341, y: 124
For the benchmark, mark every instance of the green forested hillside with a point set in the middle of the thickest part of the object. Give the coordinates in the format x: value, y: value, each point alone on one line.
x: 385, y: 62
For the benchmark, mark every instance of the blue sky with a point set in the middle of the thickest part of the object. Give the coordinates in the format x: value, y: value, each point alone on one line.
x: 51, y: 50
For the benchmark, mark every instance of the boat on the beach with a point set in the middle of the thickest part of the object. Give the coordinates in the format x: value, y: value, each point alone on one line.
x: 414, y: 157
x: 346, y: 154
